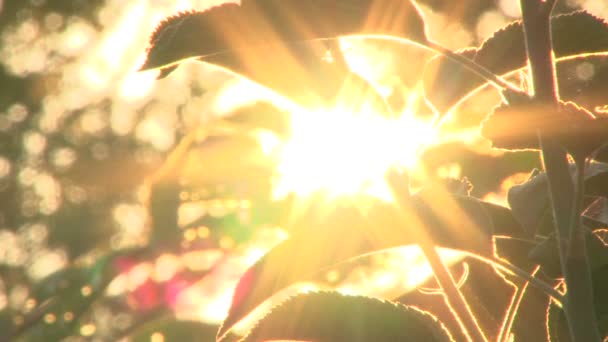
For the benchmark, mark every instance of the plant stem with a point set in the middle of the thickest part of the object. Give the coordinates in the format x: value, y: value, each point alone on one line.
x: 453, y: 298
x: 578, y: 305
x: 577, y: 235
x: 578, y: 278
x: 518, y: 296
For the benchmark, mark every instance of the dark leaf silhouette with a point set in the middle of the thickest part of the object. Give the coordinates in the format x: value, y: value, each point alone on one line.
x: 255, y: 37
x: 529, y: 201
x: 557, y: 325
x: 447, y: 82
x: 263, y: 23
x: 546, y: 254
x: 462, y: 223
x: 327, y: 316
x: 596, y: 213
x: 600, y: 283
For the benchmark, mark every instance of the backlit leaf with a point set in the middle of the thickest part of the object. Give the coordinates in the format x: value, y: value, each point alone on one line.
x: 320, y: 239
x: 329, y: 316
x: 253, y: 39
x: 264, y: 23
x: 515, y: 126
x: 447, y: 82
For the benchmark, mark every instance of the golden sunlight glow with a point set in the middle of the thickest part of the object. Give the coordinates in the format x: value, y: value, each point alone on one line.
x: 344, y: 153
x: 339, y: 150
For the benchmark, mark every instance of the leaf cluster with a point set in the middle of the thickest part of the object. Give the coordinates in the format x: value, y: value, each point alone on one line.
x: 514, y: 242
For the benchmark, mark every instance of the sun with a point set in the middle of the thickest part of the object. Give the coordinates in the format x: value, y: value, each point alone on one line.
x: 340, y: 152
x: 346, y: 149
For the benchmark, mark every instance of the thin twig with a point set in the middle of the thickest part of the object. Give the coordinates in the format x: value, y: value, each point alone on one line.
x: 459, y: 283
x: 547, y: 6
x: 452, y: 296
x: 480, y: 70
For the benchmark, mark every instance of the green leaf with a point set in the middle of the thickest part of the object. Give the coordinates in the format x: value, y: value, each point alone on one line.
x: 329, y: 316
x: 319, y: 240
x: 57, y: 282
x: 447, y: 83
x: 254, y: 38
x: 171, y: 329
x: 76, y: 289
